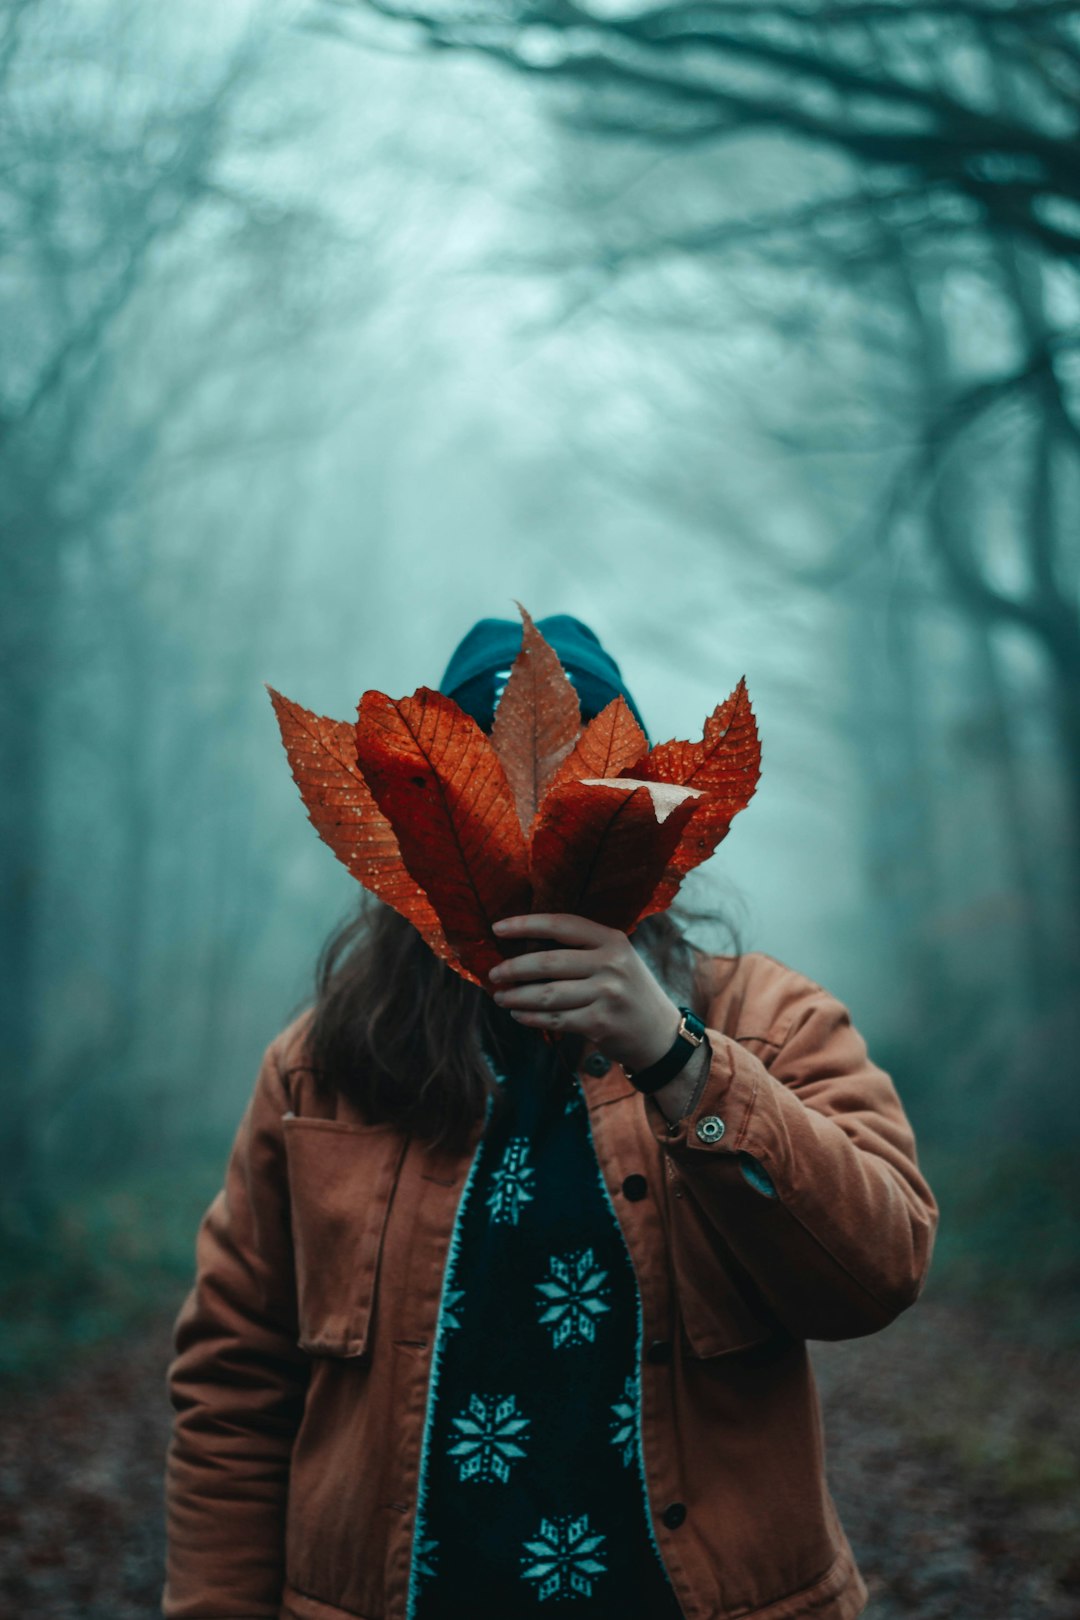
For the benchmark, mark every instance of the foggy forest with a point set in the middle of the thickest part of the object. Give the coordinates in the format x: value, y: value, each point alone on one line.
x: 748, y: 332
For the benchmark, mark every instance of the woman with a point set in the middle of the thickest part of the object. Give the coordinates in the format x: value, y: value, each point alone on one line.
x: 503, y: 1307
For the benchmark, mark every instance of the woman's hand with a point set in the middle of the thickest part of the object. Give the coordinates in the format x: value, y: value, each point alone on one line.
x: 591, y: 982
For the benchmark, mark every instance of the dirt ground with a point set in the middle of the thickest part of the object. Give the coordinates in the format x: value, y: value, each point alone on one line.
x: 954, y: 1458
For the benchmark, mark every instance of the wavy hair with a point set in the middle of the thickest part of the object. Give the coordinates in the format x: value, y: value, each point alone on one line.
x: 404, y: 1037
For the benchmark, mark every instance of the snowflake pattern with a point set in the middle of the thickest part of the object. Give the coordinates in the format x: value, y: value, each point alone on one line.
x: 574, y: 1292
x: 451, y: 1305
x: 511, y: 1184
x: 490, y: 1430
x: 624, y: 1412
x: 424, y: 1560
x: 562, y: 1558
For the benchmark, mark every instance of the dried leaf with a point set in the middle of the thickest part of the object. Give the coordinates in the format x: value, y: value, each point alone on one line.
x: 537, y: 721
x: 665, y: 796
x: 340, y: 806
x: 726, y: 762
x: 599, y: 848
x: 436, y: 776
x: 707, y: 826
x: 430, y: 814
x: 611, y: 743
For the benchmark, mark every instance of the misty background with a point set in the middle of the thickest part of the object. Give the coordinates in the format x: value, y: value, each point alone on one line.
x: 750, y: 335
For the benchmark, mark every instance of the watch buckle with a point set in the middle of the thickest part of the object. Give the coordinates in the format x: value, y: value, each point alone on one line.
x: 688, y: 1034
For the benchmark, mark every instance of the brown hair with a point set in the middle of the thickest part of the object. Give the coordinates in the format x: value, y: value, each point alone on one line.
x: 403, y: 1036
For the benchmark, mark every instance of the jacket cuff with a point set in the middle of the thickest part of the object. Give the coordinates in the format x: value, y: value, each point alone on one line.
x: 722, y: 1116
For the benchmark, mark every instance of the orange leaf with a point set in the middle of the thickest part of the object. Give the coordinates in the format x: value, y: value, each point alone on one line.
x: 432, y: 815
x: 726, y: 762
x: 708, y: 825
x: 611, y: 743
x: 340, y: 806
x: 599, y: 848
x: 537, y: 721
x: 436, y: 776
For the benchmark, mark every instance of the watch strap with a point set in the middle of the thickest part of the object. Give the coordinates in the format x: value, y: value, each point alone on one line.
x: 690, y: 1034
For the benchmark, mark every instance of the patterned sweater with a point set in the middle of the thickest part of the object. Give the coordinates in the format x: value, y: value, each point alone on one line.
x: 532, y: 1496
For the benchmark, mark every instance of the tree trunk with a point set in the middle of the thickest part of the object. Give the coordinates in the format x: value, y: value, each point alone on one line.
x: 27, y: 636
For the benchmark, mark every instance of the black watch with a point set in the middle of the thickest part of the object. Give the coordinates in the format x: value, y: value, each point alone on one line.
x: 690, y: 1035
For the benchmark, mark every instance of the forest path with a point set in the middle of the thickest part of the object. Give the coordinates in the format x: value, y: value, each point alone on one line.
x: 954, y: 1459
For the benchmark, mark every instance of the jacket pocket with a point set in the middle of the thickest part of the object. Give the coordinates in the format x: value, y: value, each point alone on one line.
x: 341, y: 1183
x: 299, y: 1606
x: 720, y: 1308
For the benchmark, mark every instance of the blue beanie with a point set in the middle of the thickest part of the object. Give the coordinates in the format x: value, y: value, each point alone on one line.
x: 480, y: 664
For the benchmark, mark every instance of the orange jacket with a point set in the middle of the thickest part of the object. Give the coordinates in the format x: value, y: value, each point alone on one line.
x: 300, y: 1378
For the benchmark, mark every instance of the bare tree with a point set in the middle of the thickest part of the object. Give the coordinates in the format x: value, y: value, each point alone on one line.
x: 959, y: 122
x: 900, y: 88
x: 100, y: 188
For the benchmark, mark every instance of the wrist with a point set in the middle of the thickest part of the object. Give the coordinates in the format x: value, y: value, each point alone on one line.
x: 688, y: 1040
x: 682, y: 1094
x: 651, y: 1048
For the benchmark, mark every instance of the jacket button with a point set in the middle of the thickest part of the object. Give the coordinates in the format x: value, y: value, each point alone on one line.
x: 659, y: 1351
x: 596, y: 1064
x: 634, y: 1188
x: 710, y: 1129
x: 674, y: 1514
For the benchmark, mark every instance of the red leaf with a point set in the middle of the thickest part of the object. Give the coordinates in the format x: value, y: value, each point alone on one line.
x: 438, y: 779
x: 726, y: 762
x: 431, y: 815
x: 611, y: 744
x: 537, y: 721
x: 707, y: 826
x: 340, y: 806
x: 599, y: 848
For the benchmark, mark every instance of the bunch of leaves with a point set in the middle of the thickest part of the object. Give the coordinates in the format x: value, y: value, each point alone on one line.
x: 455, y: 829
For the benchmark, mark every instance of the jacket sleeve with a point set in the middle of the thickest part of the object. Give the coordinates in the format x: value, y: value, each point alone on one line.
x: 804, y: 1165
x: 237, y: 1383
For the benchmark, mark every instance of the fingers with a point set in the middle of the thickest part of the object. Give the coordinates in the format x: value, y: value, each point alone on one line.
x: 543, y: 965
x: 555, y: 996
x: 560, y: 925
x: 556, y: 990
x: 572, y: 1021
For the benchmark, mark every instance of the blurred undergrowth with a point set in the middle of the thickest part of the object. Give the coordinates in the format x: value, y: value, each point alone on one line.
x: 1009, y: 1239
x: 97, y: 1264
